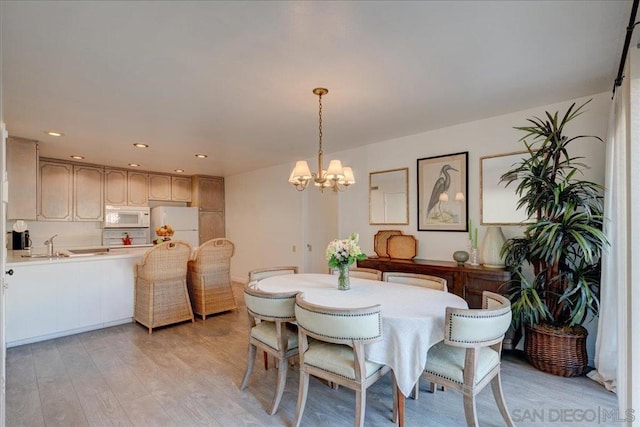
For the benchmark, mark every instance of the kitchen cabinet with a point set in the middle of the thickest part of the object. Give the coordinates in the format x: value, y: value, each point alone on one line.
x: 207, y: 194
x: 159, y: 187
x: 70, y: 192
x: 211, y: 225
x: 88, y: 198
x: 124, y: 187
x: 22, y: 174
x: 181, y: 188
x: 137, y: 188
x: 55, y: 192
x: 115, y: 186
x: 49, y: 299
x: 169, y: 188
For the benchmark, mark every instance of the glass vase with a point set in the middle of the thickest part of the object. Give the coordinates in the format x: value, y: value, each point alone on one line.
x: 473, y: 256
x: 343, y: 277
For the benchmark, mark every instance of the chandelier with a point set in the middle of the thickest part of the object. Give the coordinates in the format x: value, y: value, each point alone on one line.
x: 336, y: 177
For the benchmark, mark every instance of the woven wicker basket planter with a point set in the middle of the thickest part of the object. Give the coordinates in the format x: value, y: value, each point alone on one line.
x: 557, y: 351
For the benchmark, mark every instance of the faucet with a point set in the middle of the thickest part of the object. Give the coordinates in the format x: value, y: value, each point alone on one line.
x: 49, y: 243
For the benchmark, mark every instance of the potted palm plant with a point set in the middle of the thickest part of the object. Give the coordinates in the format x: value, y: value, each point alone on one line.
x: 562, y: 246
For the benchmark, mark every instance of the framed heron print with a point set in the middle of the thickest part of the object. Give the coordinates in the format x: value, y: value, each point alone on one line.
x: 442, y: 192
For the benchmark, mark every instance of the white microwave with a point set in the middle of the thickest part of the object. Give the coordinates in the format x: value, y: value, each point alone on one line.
x: 126, y: 216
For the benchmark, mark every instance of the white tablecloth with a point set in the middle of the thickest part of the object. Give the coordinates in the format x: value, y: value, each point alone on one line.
x: 412, y: 317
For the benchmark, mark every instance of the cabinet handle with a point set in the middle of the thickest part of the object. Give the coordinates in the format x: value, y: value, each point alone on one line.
x: 9, y: 272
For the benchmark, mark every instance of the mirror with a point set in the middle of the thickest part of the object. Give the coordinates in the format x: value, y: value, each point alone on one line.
x: 497, y: 202
x: 388, y: 197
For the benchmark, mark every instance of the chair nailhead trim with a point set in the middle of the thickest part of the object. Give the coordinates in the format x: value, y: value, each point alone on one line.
x: 345, y: 315
x: 259, y: 315
x: 471, y: 317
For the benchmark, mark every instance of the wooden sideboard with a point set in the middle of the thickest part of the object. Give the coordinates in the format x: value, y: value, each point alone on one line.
x: 466, y: 281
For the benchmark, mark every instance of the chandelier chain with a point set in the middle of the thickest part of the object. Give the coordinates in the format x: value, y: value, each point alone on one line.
x: 320, y: 123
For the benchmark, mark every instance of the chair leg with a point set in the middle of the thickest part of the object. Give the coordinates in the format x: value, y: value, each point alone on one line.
x: 282, y: 378
x: 361, y: 403
x: 416, y: 390
x: 302, y: 396
x: 394, y: 393
x: 251, y: 360
x: 265, y: 356
x: 470, y: 410
x: 433, y: 387
x: 496, y: 387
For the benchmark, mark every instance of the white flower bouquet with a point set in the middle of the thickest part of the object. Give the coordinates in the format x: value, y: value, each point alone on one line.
x: 344, y: 252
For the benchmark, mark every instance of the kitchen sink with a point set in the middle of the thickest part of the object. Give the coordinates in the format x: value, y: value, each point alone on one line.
x: 85, y: 252
x: 43, y: 256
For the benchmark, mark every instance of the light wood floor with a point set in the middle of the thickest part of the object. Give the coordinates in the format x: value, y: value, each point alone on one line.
x: 188, y: 375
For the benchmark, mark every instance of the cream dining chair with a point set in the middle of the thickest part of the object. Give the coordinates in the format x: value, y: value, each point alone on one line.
x: 362, y: 273
x: 469, y: 357
x: 270, y: 331
x: 336, y: 352
x: 263, y: 273
x: 209, y: 278
x: 414, y: 279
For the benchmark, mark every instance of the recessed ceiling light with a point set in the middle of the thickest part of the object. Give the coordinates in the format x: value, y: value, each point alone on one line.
x: 53, y: 133
x: 201, y: 156
x: 77, y: 157
x: 134, y: 165
x: 140, y: 145
x: 179, y: 170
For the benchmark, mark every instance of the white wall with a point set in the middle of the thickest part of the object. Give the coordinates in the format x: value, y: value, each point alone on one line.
x: 263, y: 210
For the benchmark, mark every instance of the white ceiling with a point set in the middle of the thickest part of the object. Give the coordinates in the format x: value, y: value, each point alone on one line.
x: 234, y: 79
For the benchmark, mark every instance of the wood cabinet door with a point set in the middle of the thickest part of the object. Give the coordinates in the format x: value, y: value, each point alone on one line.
x: 22, y: 174
x: 137, y: 189
x: 88, y: 200
x: 211, y: 226
x: 115, y: 187
x: 210, y: 194
x: 181, y: 188
x: 55, y: 192
x: 160, y: 187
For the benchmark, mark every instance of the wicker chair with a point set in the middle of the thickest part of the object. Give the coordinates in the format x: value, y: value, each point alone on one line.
x: 209, y: 279
x: 469, y: 357
x: 269, y: 330
x: 363, y: 273
x: 161, y: 296
x: 336, y: 352
x: 426, y: 281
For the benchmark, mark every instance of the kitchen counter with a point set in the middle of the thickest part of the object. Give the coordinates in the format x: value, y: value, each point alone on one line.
x: 53, y: 297
x: 15, y: 257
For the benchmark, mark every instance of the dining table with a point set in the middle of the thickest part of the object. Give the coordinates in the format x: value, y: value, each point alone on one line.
x: 412, y: 318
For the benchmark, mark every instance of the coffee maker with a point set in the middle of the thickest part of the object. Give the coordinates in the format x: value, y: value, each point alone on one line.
x: 21, y: 240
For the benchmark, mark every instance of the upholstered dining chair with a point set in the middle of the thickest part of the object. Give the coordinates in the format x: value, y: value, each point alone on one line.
x: 209, y: 278
x: 363, y: 273
x: 469, y: 357
x: 263, y: 273
x: 270, y: 331
x: 426, y: 281
x: 161, y: 296
x: 336, y: 352
x: 415, y: 279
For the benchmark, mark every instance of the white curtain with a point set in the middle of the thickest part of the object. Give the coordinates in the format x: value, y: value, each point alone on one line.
x: 614, y: 271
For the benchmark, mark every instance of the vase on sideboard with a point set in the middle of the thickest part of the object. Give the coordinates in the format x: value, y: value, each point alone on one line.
x: 491, y: 247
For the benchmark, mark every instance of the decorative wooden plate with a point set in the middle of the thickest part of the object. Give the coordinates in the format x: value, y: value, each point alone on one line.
x: 402, y: 247
x: 380, y: 241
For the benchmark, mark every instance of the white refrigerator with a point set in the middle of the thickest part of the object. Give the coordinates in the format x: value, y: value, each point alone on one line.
x: 184, y: 222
